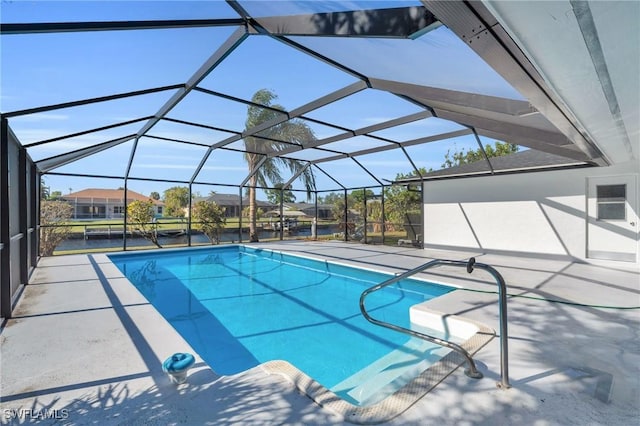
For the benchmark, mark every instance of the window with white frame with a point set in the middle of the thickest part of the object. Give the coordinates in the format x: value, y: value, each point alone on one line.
x: 611, y: 200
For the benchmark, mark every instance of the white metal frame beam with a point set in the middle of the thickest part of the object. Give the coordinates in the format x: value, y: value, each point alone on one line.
x: 477, y: 27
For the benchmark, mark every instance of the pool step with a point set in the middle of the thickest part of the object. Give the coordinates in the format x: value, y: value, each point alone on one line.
x: 389, y: 373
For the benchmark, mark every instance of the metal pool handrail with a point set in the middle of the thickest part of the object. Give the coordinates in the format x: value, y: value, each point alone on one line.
x: 471, y: 371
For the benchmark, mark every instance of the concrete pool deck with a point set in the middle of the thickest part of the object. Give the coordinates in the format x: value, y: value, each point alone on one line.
x: 84, y: 346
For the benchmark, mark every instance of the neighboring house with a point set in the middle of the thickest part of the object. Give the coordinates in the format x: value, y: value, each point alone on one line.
x: 231, y: 203
x: 308, y: 209
x: 535, y: 203
x: 94, y: 203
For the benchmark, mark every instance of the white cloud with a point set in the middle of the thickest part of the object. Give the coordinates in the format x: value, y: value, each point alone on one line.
x: 189, y: 167
x: 164, y: 166
x: 42, y: 151
x: 40, y: 117
x: 30, y: 135
x: 228, y: 168
x: 184, y: 158
x: 383, y: 163
x: 377, y: 120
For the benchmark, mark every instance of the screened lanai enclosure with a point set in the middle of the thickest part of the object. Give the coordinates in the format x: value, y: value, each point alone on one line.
x: 319, y: 110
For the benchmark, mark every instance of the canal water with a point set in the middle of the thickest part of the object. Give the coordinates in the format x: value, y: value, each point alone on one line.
x: 227, y: 237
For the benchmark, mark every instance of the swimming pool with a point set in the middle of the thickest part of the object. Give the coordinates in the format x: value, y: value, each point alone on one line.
x: 239, y: 307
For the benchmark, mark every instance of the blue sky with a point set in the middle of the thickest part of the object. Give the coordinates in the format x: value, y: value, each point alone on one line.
x: 44, y: 69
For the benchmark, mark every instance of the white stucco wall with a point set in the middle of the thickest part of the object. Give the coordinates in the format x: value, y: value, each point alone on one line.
x: 538, y: 213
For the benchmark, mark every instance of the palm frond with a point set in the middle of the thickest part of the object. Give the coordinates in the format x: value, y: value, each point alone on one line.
x: 293, y: 131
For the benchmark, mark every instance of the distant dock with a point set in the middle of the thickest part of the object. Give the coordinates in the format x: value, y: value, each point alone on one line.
x: 108, y: 232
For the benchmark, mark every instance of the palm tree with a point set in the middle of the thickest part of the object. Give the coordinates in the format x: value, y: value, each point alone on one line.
x: 268, y: 174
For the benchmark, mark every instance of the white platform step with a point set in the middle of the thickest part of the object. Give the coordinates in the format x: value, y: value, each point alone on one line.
x: 389, y: 373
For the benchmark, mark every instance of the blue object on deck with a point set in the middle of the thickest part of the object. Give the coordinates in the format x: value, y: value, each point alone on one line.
x: 178, y: 362
x: 177, y: 366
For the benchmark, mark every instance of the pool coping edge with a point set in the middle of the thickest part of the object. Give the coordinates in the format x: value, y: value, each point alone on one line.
x: 396, y: 403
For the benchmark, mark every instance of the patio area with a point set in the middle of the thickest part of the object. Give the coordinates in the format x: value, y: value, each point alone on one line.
x: 450, y: 125
x: 85, y: 347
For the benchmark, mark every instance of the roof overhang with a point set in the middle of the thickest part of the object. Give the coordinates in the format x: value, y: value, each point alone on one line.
x: 571, y: 59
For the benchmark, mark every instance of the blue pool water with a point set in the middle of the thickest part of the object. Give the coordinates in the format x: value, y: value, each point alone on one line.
x: 239, y: 307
